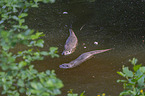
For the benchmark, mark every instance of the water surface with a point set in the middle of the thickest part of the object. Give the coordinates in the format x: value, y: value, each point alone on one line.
x: 113, y: 24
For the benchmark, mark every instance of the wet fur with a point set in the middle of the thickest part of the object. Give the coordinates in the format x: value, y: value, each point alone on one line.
x: 70, y: 44
x: 83, y: 57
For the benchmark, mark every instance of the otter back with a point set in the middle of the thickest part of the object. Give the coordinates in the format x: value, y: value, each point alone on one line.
x: 70, y: 44
x: 83, y: 57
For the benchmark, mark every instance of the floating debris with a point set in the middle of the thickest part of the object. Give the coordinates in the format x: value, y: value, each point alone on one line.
x: 96, y: 43
x: 82, y: 27
x: 65, y: 12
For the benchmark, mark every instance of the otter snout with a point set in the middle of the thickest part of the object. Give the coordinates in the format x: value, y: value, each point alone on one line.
x: 65, y: 66
x: 66, y: 52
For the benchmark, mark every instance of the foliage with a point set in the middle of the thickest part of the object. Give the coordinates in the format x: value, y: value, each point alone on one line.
x: 134, y: 83
x: 70, y: 93
x: 103, y: 94
x: 18, y: 75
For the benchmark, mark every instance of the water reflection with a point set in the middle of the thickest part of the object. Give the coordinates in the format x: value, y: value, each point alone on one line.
x: 113, y: 24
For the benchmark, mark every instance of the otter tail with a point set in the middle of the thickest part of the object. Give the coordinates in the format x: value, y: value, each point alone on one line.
x: 99, y: 51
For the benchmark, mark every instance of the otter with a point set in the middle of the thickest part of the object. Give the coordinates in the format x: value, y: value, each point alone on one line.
x: 70, y: 44
x: 83, y: 57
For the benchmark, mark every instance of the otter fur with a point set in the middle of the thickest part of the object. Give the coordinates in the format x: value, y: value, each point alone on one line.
x: 83, y: 57
x: 70, y: 44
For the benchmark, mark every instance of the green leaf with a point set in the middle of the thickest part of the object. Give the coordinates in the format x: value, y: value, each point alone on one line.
x: 22, y: 90
x: 14, y: 67
x: 127, y: 72
x: 28, y: 32
x: 20, y: 83
x: 120, y: 73
x: 48, y: 72
x: 131, y: 81
x: 141, y: 81
x: 21, y: 21
x: 21, y: 36
x: 132, y: 92
x: 4, y: 16
x: 142, y: 69
x: 53, y: 51
x: 46, y: 1
x: 6, y: 47
x: 22, y: 64
x: 16, y: 26
x: 50, y: 83
x: 5, y: 87
x: 16, y: 94
x: 72, y: 94
x: 51, y: 1
x: 34, y: 85
x: 4, y: 92
x: 23, y: 15
x: 15, y: 18
x: 24, y: 27
x: 14, y: 9
x: 125, y: 93
x: 56, y: 91
x: 37, y: 35
x: 34, y: 5
x: 34, y: 71
x: 82, y: 94
x: 1, y: 21
x: 40, y: 43
x: 4, y: 67
x: 138, y: 73
x: 39, y: 86
x: 44, y: 53
x: 136, y: 67
x: 4, y: 80
x: 46, y: 94
x: 124, y: 81
x: 23, y: 76
x: 133, y: 61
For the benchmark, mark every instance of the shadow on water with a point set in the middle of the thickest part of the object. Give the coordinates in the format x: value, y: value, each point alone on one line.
x: 113, y: 24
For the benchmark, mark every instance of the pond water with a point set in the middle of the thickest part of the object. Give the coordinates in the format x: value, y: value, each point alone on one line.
x: 113, y: 24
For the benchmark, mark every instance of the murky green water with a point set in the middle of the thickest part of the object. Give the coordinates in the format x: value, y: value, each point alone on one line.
x: 113, y: 24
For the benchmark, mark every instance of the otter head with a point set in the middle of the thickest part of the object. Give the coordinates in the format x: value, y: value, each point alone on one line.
x: 65, y: 66
x: 66, y: 52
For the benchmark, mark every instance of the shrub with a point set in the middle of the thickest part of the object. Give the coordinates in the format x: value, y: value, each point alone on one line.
x: 18, y: 75
x: 134, y: 79
x: 70, y: 93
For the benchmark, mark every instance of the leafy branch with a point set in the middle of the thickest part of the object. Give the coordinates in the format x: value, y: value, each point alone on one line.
x: 18, y: 75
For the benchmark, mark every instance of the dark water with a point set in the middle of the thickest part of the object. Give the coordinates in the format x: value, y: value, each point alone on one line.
x: 117, y: 24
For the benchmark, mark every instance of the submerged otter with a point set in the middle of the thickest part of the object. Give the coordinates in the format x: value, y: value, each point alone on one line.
x: 83, y: 57
x: 70, y: 44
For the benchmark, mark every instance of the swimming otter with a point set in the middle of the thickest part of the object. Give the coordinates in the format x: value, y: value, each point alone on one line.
x: 70, y: 44
x: 83, y: 57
